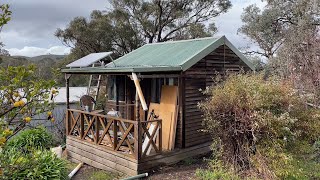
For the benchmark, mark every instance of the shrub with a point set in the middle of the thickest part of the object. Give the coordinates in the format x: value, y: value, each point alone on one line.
x: 252, y: 117
x: 39, y: 164
x: 27, y: 140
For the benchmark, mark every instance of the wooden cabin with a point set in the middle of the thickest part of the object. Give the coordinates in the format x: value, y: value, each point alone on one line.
x: 154, y: 120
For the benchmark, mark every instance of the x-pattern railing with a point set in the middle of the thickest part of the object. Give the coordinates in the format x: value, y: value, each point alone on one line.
x: 133, y: 138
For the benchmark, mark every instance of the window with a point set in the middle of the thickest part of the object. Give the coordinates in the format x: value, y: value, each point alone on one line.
x: 114, y: 84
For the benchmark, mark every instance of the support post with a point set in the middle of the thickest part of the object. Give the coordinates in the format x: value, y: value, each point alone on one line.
x: 137, y: 107
x: 67, y: 77
x: 68, y: 122
x: 117, y: 93
x: 137, y: 131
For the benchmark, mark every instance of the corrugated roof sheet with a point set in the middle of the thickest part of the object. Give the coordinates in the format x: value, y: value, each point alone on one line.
x: 173, y: 53
x: 165, y: 56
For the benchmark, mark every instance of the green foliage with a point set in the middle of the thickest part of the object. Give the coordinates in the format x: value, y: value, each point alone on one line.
x: 217, y: 169
x: 261, y: 27
x: 271, y: 26
x: 23, y: 95
x: 35, y: 165
x: 31, y: 139
x: 316, y: 147
x: 4, y: 15
x: 287, y: 34
x: 260, y: 122
x: 129, y: 24
x: 27, y: 156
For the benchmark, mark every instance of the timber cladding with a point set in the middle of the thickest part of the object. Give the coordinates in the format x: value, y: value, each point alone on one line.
x: 197, y: 78
x: 99, y: 157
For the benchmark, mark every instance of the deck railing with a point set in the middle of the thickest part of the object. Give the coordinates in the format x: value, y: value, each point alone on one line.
x: 137, y: 139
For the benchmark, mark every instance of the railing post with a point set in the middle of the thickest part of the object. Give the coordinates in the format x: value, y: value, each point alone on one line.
x: 115, y: 134
x: 67, y: 122
x: 81, y: 125
x: 137, y: 140
x: 160, y: 135
x: 97, y: 129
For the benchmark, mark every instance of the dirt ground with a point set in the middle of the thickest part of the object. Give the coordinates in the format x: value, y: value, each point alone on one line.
x: 183, y: 170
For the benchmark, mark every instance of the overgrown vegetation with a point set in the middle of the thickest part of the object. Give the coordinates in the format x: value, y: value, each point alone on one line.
x: 262, y: 128
x: 28, y: 140
x: 27, y: 156
x: 22, y: 95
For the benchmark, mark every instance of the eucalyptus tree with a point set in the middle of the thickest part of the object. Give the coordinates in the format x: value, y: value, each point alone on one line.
x: 271, y: 26
x: 128, y: 25
x: 162, y: 20
x: 287, y: 32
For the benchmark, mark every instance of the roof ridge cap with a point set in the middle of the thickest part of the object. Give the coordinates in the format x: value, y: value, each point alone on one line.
x: 185, y: 40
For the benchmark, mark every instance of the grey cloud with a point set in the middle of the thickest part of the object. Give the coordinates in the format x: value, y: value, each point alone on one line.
x: 34, y: 21
x: 38, y: 19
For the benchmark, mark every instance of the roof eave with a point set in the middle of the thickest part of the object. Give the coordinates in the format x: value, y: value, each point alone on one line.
x: 119, y: 70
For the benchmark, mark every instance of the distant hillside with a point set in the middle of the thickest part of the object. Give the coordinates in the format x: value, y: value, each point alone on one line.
x: 41, y: 57
x: 23, y: 60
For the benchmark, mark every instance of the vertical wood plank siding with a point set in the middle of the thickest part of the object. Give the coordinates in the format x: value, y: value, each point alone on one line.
x: 199, y: 77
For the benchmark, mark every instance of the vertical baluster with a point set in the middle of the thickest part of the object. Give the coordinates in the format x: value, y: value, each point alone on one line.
x: 160, y: 135
x: 137, y: 140
x: 97, y: 129
x: 81, y: 125
x: 115, y: 134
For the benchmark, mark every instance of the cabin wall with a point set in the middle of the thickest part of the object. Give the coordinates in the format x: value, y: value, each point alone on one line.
x: 198, y: 77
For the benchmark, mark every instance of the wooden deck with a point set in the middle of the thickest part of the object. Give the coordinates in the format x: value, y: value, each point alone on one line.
x: 120, y: 145
x: 100, y: 157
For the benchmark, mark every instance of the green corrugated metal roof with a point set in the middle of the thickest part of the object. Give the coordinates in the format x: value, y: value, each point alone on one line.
x: 166, y: 56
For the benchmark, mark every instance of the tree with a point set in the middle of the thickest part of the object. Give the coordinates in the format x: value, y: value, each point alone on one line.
x: 299, y: 60
x: 160, y: 21
x: 262, y: 29
x: 85, y: 36
x: 130, y: 24
x: 287, y: 32
x: 5, y: 16
x: 22, y: 95
x: 270, y: 27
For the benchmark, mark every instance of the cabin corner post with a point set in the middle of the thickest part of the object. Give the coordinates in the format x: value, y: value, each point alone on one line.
x: 182, y: 108
x: 68, y: 120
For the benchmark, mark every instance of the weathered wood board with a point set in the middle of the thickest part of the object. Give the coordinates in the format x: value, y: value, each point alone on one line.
x: 168, y: 111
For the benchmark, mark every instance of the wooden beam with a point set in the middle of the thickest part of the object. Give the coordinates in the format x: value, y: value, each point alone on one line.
x: 151, y: 76
x: 138, y: 89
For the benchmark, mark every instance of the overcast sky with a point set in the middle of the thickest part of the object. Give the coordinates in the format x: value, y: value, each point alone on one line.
x: 31, y: 30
